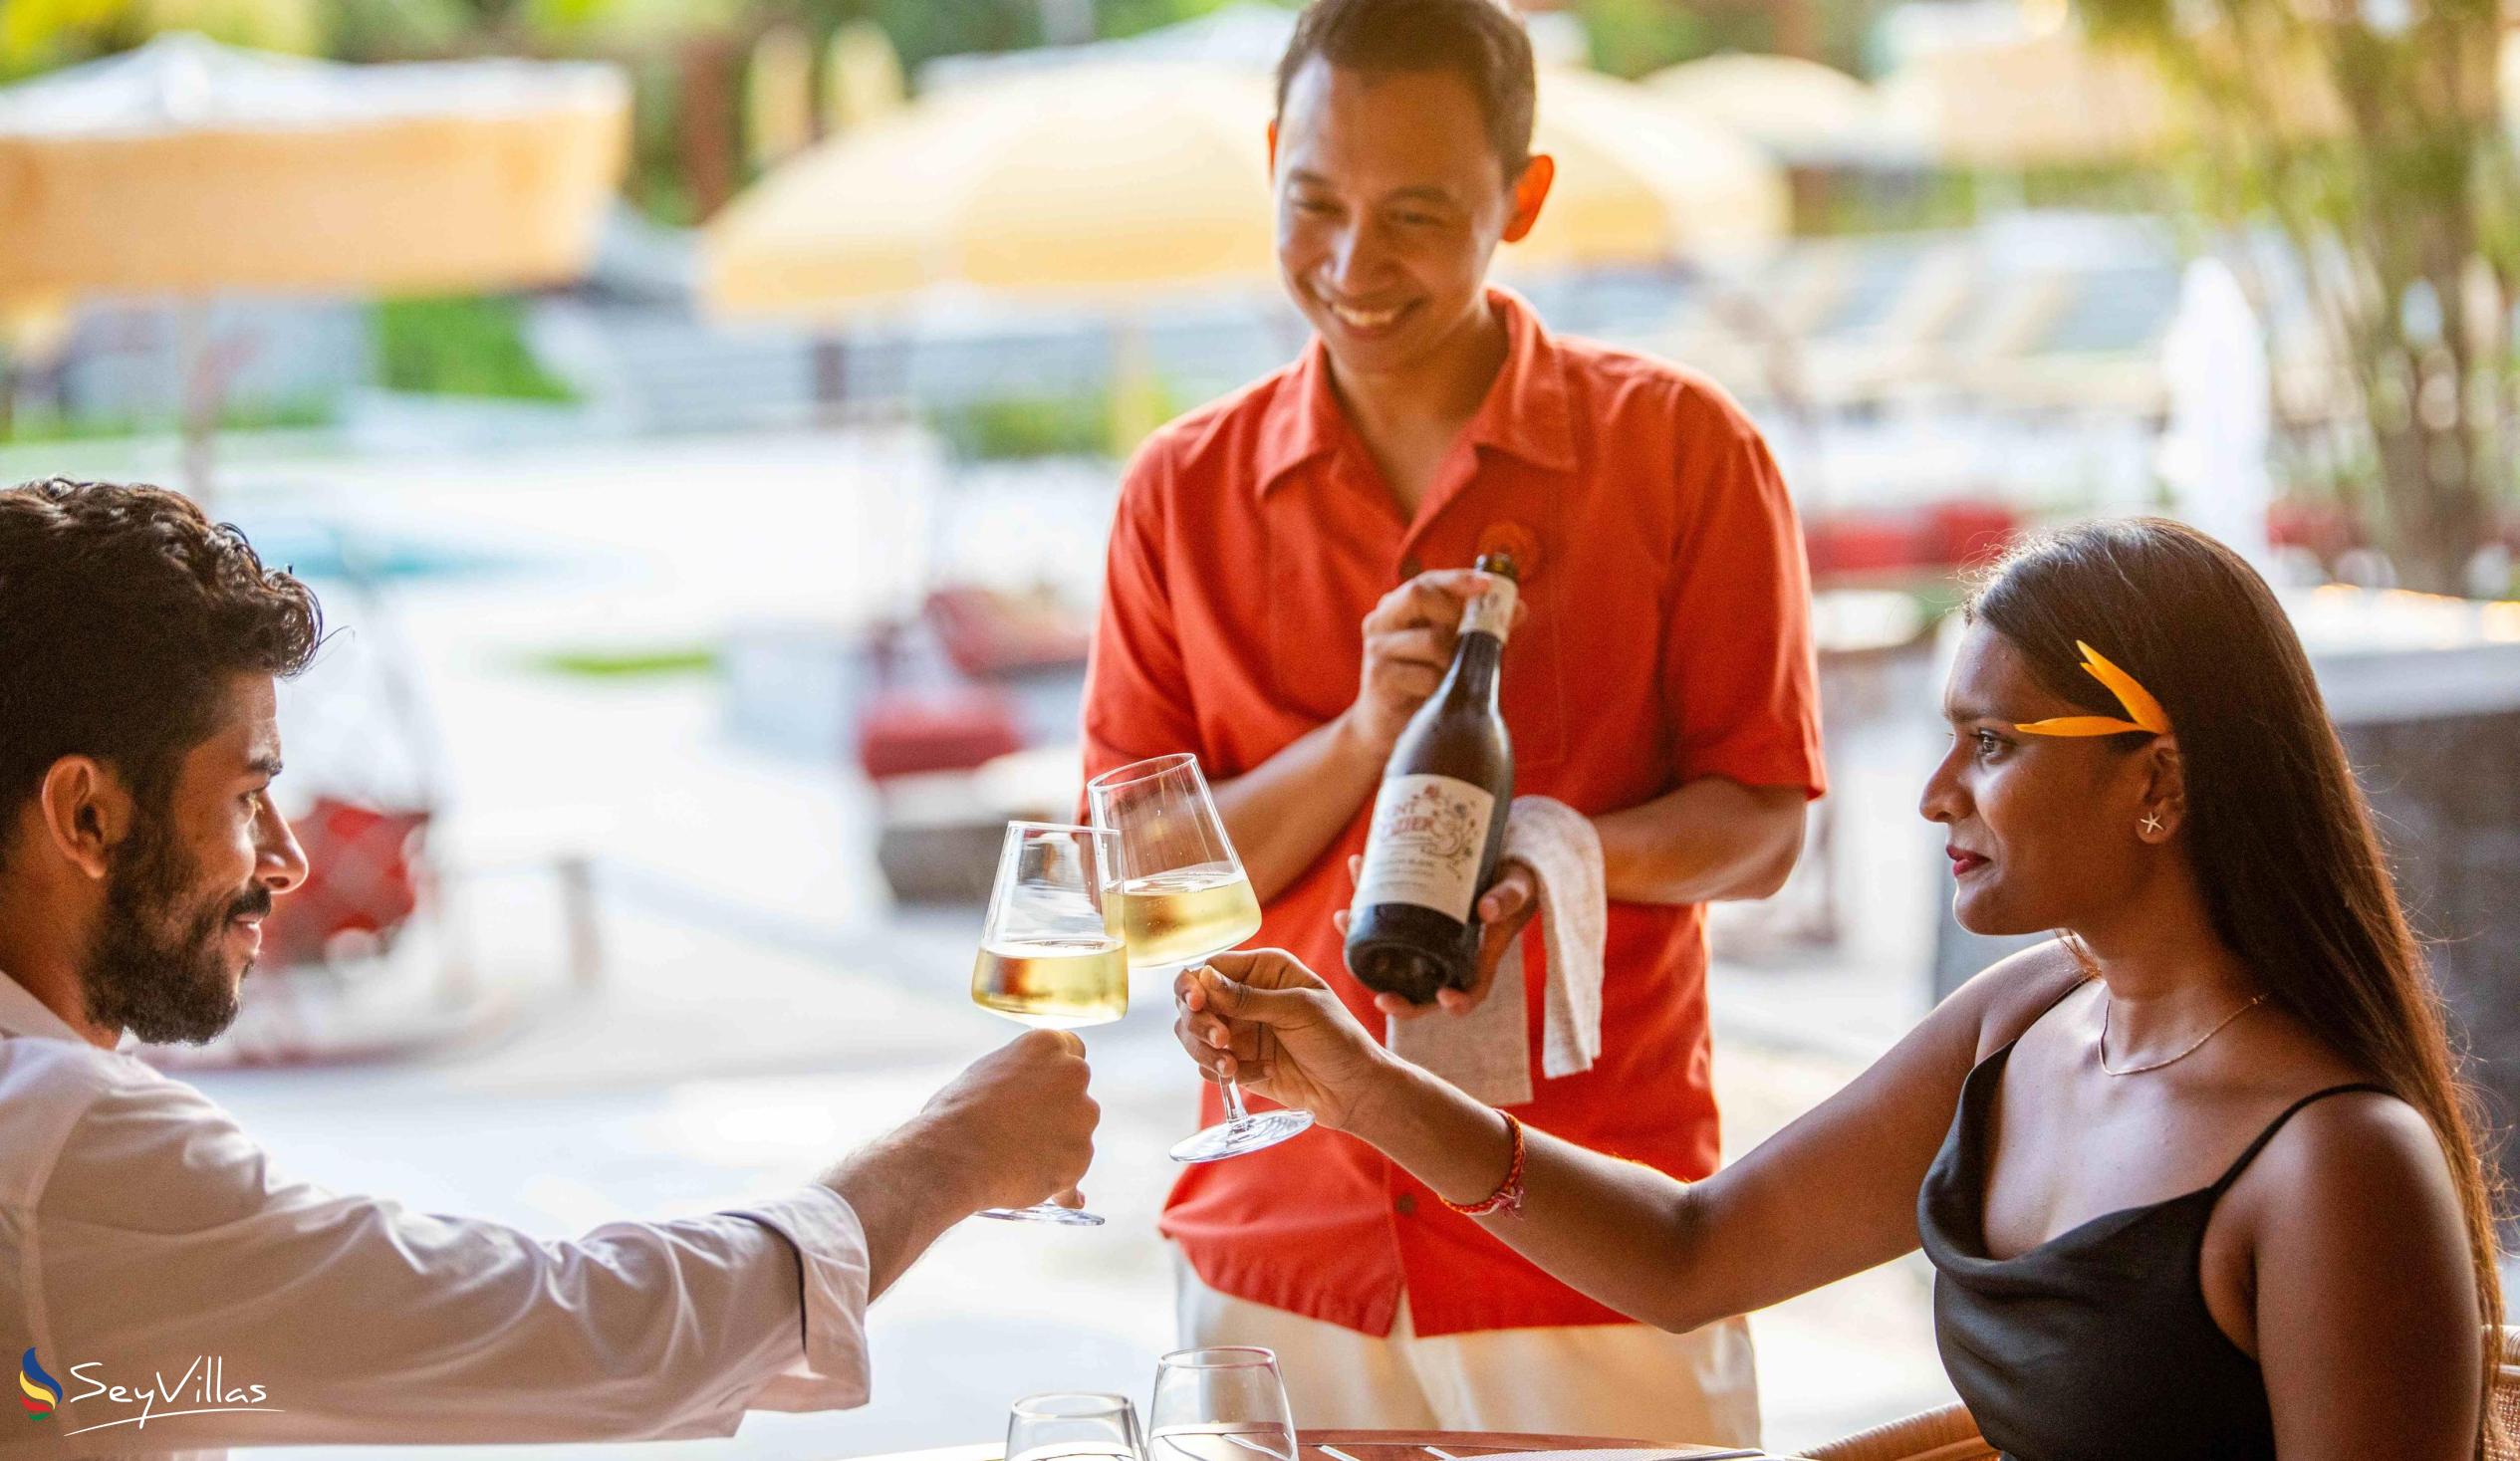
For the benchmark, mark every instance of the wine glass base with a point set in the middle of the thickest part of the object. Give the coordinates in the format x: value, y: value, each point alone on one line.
x: 1235, y: 1138
x: 1047, y: 1212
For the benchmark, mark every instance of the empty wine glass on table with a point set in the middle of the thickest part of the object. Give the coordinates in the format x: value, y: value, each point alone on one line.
x: 1226, y: 1403
x: 1184, y: 897
x: 1082, y: 1426
x: 1051, y: 954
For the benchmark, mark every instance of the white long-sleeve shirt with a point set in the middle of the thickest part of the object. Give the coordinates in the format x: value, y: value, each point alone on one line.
x: 151, y: 1263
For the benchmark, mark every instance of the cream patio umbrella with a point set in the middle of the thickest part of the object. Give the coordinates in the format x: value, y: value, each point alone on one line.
x: 189, y: 169
x: 2033, y: 102
x: 2063, y: 98
x: 1115, y: 183
x: 1642, y: 181
x: 1801, y: 113
x: 1119, y: 178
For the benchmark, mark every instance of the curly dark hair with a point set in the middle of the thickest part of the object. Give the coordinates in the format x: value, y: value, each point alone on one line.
x: 1481, y: 41
x: 123, y: 613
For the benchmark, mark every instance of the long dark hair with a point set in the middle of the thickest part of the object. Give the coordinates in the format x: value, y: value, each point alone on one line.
x: 2292, y: 870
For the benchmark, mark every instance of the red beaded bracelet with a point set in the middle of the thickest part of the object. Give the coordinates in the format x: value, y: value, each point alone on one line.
x: 1508, y: 1196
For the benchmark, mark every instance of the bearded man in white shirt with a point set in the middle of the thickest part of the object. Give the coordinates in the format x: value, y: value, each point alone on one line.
x: 140, y: 1229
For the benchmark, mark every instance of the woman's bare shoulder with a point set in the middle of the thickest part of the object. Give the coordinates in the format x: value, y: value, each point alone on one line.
x: 2009, y: 995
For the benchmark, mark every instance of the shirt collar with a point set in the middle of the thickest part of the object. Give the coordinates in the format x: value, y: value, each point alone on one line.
x: 21, y: 1013
x: 1304, y: 423
x: 1526, y: 412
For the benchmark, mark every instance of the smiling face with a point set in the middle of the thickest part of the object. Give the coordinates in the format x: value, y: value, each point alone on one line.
x: 1390, y: 200
x: 188, y: 888
x: 2043, y: 831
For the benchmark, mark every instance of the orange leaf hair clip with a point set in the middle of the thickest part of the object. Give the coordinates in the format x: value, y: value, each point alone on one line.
x: 2144, y: 712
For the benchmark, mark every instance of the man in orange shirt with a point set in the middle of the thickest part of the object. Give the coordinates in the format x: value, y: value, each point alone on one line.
x: 1660, y: 683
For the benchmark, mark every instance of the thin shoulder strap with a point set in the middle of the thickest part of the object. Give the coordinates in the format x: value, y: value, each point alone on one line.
x: 2277, y: 1125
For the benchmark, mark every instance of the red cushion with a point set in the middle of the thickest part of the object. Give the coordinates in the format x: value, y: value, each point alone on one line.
x: 904, y: 732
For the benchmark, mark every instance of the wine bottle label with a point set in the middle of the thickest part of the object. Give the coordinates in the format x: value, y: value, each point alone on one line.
x: 1493, y: 612
x: 1424, y: 849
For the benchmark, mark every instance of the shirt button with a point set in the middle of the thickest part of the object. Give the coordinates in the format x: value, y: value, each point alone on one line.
x: 1404, y: 1204
x: 1411, y: 567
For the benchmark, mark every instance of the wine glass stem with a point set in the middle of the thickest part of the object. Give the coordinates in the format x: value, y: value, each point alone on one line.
x: 1235, y: 1116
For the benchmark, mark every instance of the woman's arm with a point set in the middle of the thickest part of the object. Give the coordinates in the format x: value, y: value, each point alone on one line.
x: 1831, y: 1195
x: 2367, y: 1319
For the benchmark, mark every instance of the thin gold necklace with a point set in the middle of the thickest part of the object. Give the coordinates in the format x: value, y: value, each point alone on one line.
x: 2106, y: 1002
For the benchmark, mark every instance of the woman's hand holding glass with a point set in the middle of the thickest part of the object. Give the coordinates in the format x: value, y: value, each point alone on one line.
x: 1259, y: 1017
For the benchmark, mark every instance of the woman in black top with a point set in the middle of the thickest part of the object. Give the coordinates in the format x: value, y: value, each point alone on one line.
x: 2196, y: 1176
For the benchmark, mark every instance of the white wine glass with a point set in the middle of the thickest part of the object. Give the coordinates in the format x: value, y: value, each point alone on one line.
x: 1184, y: 897
x: 1226, y: 1403
x: 1051, y: 954
x: 1074, y: 1427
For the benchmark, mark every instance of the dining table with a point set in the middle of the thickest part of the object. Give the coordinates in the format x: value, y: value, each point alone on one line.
x: 1417, y: 1445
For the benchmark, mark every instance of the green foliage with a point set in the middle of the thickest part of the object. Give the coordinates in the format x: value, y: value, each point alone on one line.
x: 1019, y: 429
x: 1117, y: 18
x: 655, y: 182
x: 623, y: 664
x: 1631, y: 38
x: 34, y: 427
x: 2369, y: 140
x: 462, y: 345
x: 922, y: 30
x: 388, y: 30
x: 1934, y: 198
x: 1948, y: 197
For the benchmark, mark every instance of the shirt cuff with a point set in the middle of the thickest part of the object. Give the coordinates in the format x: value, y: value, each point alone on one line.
x: 831, y: 1250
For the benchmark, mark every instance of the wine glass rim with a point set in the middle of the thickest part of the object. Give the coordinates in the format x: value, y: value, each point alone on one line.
x: 1146, y: 770
x: 1020, y: 824
x: 1245, y: 1357
x: 1037, y: 1407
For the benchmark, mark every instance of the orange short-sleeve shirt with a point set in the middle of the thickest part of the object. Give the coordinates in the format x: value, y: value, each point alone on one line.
x: 1668, y: 640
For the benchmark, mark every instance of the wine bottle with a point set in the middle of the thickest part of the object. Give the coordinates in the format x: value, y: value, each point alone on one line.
x: 1438, y: 828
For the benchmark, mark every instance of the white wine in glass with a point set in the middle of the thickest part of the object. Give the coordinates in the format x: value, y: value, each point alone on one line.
x: 1184, y: 895
x: 1051, y: 952
x: 1054, y: 983
x: 1177, y: 916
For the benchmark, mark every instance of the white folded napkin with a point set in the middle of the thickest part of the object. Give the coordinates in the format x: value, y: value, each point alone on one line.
x: 1487, y: 1052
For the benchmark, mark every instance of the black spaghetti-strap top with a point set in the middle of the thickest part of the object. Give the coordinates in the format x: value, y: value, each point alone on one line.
x: 2097, y: 1343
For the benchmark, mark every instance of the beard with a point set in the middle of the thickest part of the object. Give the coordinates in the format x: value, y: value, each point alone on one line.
x: 156, y: 962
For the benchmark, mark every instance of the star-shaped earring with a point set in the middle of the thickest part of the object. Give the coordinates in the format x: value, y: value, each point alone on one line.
x: 2152, y: 823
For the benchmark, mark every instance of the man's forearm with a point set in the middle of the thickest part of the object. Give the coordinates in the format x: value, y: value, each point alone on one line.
x: 1284, y: 812
x: 1710, y: 841
x: 905, y: 1197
